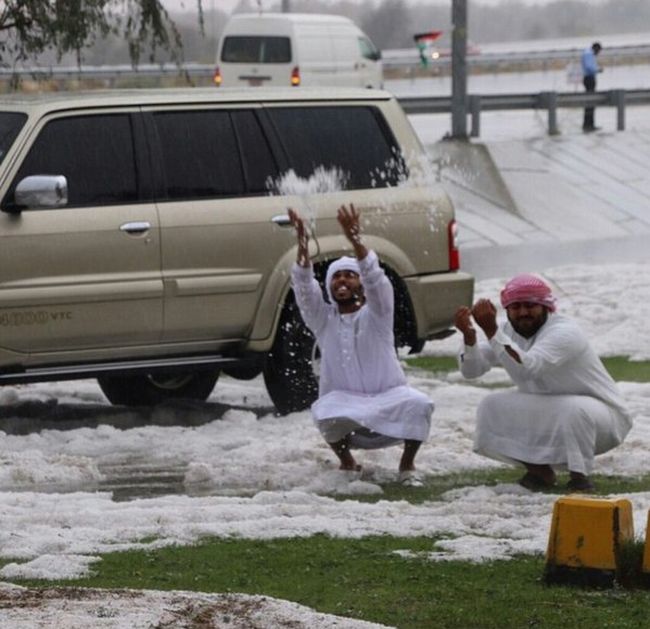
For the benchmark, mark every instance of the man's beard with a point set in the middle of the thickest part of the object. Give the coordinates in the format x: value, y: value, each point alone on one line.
x: 354, y: 298
x: 531, y: 326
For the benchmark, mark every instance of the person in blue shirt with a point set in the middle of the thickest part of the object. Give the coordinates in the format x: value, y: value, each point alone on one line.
x: 590, y: 69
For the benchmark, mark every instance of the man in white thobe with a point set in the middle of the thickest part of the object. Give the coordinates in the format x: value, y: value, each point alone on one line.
x: 364, y: 400
x: 566, y: 408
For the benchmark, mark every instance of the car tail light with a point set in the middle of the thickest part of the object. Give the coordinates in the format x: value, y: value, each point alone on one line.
x: 295, y: 76
x: 217, y: 78
x: 452, y: 243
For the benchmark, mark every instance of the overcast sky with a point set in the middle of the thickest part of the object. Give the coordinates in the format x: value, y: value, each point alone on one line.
x: 229, y: 5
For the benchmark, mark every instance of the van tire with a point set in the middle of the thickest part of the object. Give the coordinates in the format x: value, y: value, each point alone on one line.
x: 152, y: 389
x: 288, y: 373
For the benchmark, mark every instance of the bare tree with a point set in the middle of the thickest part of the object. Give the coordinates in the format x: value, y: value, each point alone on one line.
x: 30, y: 27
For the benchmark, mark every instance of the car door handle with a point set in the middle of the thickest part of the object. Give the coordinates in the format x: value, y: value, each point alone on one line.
x: 282, y: 220
x: 136, y: 227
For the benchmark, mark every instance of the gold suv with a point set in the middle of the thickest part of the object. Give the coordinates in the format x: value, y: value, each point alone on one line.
x: 145, y: 241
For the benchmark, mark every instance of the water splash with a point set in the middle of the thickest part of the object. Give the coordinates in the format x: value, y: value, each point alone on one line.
x: 321, y: 181
x: 416, y: 170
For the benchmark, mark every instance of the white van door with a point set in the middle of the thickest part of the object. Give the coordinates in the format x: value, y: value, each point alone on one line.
x: 255, y: 61
x: 315, y: 55
x: 370, y: 66
x: 347, y: 57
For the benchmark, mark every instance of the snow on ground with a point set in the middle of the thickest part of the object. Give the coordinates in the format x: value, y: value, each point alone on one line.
x: 78, y: 608
x: 274, y: 477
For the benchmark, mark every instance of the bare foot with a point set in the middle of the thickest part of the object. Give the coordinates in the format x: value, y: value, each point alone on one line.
x: 350, y: 465
x: 342, y: 450
x: 407, y: 462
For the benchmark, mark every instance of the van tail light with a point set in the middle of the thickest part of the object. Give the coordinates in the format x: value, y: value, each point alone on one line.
x: 295, y: 76
x: 217, y: 78
x: 452, y: 244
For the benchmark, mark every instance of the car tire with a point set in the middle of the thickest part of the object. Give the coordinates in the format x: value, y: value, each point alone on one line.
x: 152, y: 389
x: 288, y: 370
x: 243, y: 372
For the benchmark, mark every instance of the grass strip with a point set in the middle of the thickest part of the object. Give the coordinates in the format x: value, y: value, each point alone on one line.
x: 367, y: 579
x: 621, y: 368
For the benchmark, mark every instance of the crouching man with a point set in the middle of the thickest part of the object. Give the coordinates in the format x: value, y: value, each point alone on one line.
x: 566, y: 408
x: 364, y: 400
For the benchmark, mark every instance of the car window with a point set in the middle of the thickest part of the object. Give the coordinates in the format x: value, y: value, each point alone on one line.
x: 200, y: 154
x: 256, y: 49
x: 258, y: 163
x: 94, y: 153
x: 368, y: 50
x: 355, y: 140
x: 10, y: 126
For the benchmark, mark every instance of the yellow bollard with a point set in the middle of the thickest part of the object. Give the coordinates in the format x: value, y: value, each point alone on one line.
x: 585, y: 539
x: 645, y: 565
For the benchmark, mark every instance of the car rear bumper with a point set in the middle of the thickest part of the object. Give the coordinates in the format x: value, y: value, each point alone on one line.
x: 436, y: 297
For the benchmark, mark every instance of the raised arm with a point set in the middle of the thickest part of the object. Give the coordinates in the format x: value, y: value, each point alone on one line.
x: 485, y: 315
x: 349, y: 221
x: 302, y: 236
x: 306, y: 289
x: 474, y: 359
x: 378, y: 291
x: 463, y: 321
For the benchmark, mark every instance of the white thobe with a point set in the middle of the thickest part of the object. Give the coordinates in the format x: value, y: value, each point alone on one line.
x: 362, y: 383
x: 566, y: 408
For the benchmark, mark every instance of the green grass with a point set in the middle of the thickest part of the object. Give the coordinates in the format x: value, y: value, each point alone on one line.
x: 435, y: 364
x: 435, y: 486
x: 621, y: 368
x: 366, y: 579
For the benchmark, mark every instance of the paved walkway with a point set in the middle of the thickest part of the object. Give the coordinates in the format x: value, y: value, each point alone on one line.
x: 539, y: 202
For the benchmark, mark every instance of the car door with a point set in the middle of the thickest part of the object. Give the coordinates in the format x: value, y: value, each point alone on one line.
x: 84, y: 277
x: 219, y: 242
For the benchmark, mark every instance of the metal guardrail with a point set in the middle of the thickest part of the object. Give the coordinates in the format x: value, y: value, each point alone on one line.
x: 550, y: 101
x: 109, y: 73
x: 476, y: 103
x: 484, y: 59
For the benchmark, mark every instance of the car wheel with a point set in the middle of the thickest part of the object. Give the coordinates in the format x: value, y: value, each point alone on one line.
x: 288, y: 371
x: 152, y: 389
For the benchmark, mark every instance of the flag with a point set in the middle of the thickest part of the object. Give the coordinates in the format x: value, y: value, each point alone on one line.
x: 427, y: 37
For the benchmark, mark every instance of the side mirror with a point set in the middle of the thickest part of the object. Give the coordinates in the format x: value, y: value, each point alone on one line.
x: 41, y: 191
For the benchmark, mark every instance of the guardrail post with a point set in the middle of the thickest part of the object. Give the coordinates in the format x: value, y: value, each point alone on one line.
x: 549, y: 101
x: 617, y: 98
x: 475, y: 111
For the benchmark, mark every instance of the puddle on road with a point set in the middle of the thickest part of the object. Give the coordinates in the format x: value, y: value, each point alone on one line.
x: 145, y: 480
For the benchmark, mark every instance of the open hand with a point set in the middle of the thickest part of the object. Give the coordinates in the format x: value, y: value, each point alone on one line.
x: 485, y: 315
x: 349, y: 220
x: 463, y: 321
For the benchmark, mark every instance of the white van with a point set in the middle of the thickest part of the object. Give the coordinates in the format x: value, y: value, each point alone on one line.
x: 283, y: 49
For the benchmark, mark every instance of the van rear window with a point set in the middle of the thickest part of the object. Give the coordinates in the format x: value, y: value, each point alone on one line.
x: 256, y: 49
x: 356, y: 141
